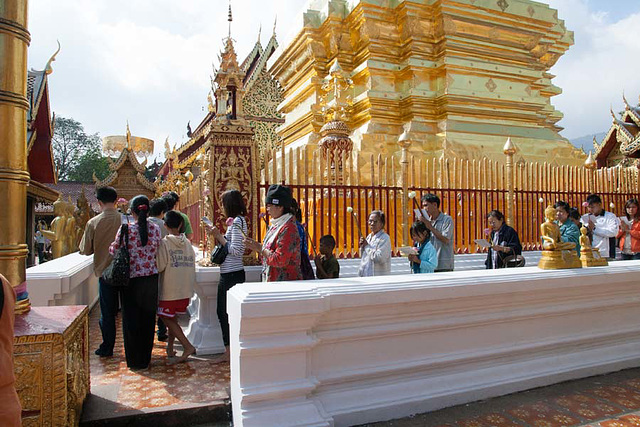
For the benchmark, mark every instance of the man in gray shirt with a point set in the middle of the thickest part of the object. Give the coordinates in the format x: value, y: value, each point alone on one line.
x: 441, y: 227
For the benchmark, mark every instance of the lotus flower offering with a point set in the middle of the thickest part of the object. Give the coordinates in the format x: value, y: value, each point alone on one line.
x: 408, y: 250
x: 263, y: 216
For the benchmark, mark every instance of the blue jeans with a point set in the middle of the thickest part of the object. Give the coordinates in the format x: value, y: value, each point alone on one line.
x: 108, y: 310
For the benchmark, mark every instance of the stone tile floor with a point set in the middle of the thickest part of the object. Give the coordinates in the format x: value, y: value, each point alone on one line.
x: 611, y: 400
x: 118, y: 393
x: 196, y: 393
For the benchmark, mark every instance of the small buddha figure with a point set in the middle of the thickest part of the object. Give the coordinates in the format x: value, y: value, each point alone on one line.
x: 56, y: 231
x: 556, y: 253
x: 589, y: 256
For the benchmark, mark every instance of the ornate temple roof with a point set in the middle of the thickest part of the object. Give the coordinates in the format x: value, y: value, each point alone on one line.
x: 622, y: 141
x: 250, y: 70
x: 40, y: 124
x: 127, y: 157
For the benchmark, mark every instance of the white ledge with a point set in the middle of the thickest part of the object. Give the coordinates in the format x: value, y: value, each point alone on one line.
x: 358, y: 350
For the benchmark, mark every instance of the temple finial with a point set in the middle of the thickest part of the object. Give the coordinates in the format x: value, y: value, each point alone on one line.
x: 612, y: 113
x: 230, y: 18
x: 626, y: 104
x: 259, y: 32
x: 275, y: 22
x: 47, y: 68
x: 128, y: 136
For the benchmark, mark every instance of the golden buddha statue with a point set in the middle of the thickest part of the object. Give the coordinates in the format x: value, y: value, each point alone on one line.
x: 589, y: 256
x: 56, y: 232
x: 82, y: 214
x: 556, y: 254
x: 70, y: 230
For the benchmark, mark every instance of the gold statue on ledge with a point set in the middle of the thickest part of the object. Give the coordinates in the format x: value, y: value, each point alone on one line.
x: 590, y: 257
x: 57, y: 229
x: 556, y: 254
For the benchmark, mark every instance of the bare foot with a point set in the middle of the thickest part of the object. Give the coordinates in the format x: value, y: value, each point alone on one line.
x: 185, y: 355
x: 171, y: 352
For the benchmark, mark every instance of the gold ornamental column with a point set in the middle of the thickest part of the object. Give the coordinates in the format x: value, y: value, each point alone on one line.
x: 14, y: 177
x: 404, y: 142
x: 590, y: 164
x: 509, y: 150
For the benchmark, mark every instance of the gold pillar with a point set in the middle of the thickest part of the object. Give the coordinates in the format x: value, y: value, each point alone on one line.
x: 590, y: 164
x: 14, y: 177
x: 404, y: 142
x: 509, y: 150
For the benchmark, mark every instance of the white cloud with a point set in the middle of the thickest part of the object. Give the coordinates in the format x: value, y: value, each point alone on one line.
x: 595, y: 71
x: 149, y: 61
x: 145, y: 61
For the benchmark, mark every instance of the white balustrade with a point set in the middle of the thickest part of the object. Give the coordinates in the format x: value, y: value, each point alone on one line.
x: 68, y: 280
x: 350, y: 351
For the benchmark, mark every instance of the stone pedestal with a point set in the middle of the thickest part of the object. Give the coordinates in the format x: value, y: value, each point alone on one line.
x: 591, y: 258
x: 554, y: 260
x: 204, y: 330
x: 52, y: 364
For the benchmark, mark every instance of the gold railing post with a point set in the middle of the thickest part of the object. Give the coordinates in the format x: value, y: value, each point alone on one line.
x: 590, y: 165
x: 14, y: 176
x: 405, y: 142
x: 509, y: 150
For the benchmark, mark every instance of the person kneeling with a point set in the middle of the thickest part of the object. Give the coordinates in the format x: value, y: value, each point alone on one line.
x: 426, y: 259
x: 176, y: 264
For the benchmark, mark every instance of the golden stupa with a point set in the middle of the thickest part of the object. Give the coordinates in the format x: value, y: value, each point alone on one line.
x: 463, y: 75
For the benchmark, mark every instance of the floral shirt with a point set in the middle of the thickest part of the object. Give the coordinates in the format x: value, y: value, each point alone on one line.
x: 143, y: 258
x: 284, y: 261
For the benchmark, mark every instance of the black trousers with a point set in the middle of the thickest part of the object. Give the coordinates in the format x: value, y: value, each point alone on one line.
x: 139, y: 307
x: 227, y: 281
x: 108, y: 311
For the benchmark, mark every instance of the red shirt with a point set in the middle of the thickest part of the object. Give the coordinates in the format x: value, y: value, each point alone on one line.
x: 283, y: 263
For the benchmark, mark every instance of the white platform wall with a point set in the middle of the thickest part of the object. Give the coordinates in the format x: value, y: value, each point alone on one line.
x: 64, y: 281
x: 351, y: 351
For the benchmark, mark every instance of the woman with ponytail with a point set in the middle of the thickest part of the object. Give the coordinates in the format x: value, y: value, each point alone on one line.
x: 140, y: 297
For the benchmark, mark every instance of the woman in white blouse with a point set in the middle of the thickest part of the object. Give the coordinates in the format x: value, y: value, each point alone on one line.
x: 376, y: 248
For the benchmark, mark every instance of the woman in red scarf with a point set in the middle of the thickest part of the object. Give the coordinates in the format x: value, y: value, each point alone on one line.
x: 280, y: 249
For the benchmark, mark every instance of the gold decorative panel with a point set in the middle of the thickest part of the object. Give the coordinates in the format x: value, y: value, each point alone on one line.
x: 51, y: 357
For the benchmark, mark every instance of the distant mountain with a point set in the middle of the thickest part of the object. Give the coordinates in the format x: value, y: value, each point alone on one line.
x: 587, y: 141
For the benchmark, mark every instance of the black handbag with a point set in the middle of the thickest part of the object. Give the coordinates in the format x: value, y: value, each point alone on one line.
x: 219, y: 254
x: 117, y: 272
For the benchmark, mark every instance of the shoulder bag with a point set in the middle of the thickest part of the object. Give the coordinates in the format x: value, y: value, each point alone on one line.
x: 117, y: 272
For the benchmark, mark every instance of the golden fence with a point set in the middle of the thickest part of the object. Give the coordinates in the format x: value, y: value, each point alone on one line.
x: 468, y: 190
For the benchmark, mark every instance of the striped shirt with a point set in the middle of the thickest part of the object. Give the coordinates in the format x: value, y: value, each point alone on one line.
x: 235, y: 241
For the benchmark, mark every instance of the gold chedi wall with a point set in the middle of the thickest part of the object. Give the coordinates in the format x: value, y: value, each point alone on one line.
x: 14, y: 177
x: 463, y: 75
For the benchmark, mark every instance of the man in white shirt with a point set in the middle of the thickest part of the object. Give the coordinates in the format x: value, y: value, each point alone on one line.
x: 602, y: 224
x: 376, y: 248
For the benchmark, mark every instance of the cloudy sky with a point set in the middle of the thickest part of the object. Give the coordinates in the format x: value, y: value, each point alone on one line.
x: 149, y: 61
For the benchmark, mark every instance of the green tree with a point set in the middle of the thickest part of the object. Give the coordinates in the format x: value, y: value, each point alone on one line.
x: 70, y: 145
x: 92, y: 161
